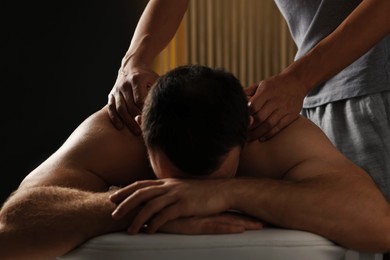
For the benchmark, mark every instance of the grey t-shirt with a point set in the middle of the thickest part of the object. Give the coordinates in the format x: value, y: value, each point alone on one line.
x: 309, y: 22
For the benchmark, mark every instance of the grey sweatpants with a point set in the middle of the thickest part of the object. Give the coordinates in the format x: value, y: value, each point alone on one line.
x: 360, y: 129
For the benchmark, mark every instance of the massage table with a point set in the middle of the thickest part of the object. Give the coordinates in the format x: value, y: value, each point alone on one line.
x: 268, y: 243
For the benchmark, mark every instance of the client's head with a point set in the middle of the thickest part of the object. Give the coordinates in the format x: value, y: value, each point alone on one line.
x: 194, y: 123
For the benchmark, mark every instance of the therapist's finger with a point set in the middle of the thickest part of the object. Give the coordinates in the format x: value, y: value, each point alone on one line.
x: 114, y: 116
x: 250, y: 90
x: 258, y: 100
x: 261, y: 116
x: 266, y: 125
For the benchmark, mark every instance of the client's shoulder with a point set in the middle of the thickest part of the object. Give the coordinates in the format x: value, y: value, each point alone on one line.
x: 299, y: 133
x: 300, y: 141
x: 99, y: 123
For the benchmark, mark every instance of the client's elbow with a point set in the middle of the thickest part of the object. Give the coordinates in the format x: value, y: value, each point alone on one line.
x: 379, y: 240
x: 384, y: 236
x: 11, y: 212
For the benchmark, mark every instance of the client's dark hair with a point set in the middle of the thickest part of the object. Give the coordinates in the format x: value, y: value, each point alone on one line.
x: 195, y: 115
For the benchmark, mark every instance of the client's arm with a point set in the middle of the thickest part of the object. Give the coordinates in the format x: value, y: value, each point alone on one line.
x: 349, y: 210
x: 65, y: 200
x: 321, y: 191
x: 45, y: 222
x: 311, y: 186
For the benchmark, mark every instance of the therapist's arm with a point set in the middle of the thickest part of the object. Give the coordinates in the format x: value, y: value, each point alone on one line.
x: 277, y: 101
x: 155, y: 29
x: 361, y: 30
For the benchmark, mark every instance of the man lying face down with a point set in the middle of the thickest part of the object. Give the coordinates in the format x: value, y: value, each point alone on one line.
x: 195, y: 122
x: 194, y: 127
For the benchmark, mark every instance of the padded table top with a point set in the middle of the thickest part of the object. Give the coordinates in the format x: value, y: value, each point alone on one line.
x: 269, y: 243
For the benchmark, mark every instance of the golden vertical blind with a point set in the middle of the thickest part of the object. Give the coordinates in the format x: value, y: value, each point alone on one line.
x: 246, y: 37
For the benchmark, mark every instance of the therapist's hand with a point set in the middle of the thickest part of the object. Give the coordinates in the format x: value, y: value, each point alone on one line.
x: 224, y: 223
x: 274, y: 103
x: 126, y: 98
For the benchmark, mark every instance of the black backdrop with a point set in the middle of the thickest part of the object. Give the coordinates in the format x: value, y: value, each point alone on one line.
x: 58, y: 62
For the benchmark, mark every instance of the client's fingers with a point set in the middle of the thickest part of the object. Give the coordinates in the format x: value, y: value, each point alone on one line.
x: 123, y: 193
x: 223, y: 228
x: 241, y: 220
x: 137, y: 199
x: 199, y: 226
x: 156, y: 207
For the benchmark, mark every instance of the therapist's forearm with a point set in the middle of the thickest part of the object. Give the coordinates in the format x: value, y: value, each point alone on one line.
x: 361, y: 30
x: 156, y: 27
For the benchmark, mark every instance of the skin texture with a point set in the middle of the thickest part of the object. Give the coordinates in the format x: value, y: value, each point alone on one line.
x: 295, y: 180
x: 135, y: 75
x: 276, y: 101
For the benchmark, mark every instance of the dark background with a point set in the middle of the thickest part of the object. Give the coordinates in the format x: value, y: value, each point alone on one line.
x: 58, y: 62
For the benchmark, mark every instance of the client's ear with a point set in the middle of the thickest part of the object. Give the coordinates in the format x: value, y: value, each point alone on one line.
x: 138, y: 119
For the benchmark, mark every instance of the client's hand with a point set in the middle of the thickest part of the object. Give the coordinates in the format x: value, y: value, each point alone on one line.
x: 168, y: 199
x: 225, y: 223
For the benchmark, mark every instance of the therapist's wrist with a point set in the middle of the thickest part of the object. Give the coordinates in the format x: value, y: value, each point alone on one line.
x: 292, y: 83
x: 314, y: 68
x: 131, y: 61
